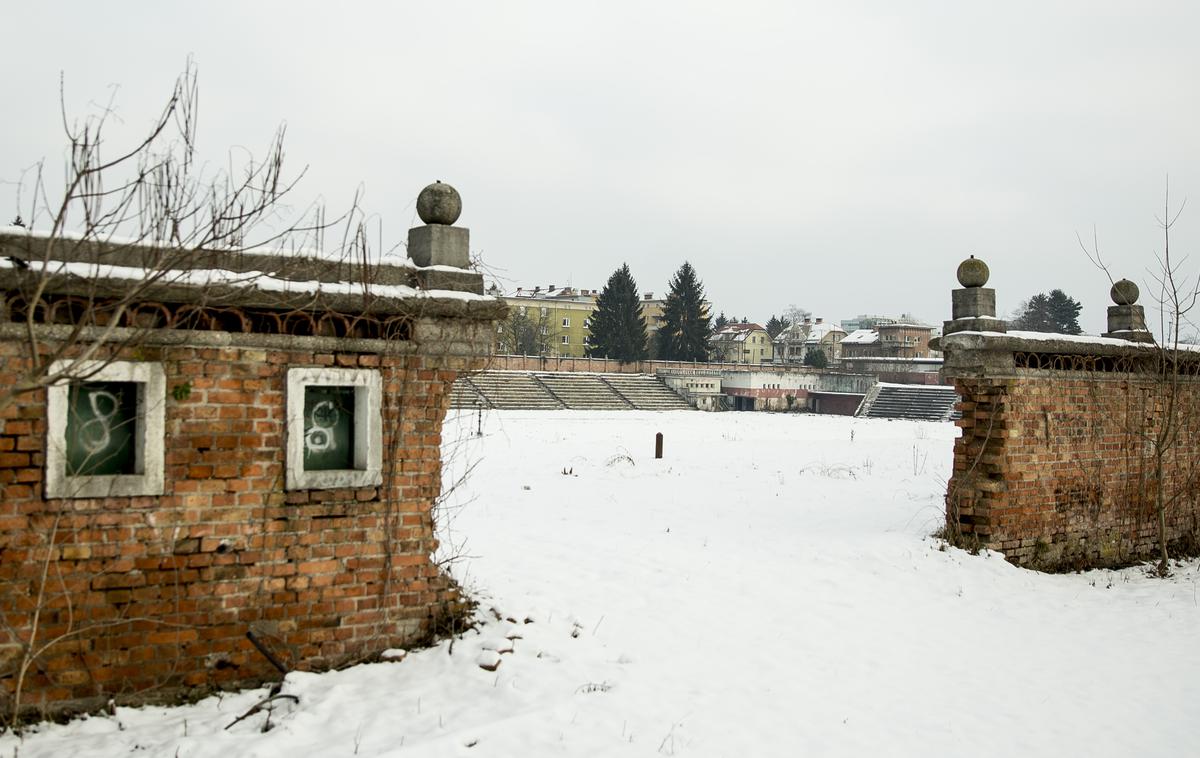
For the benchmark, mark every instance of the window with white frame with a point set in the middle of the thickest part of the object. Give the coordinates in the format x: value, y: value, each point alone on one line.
x: 566, y: 340
x: 566, y: 322
x: 334, y: 428
x: 105, y: 429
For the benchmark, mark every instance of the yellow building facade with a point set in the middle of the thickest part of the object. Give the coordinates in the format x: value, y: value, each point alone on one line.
x: 742, y: 343
x: 563, y: 313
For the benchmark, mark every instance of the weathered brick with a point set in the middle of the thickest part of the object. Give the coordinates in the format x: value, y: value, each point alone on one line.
x: 1058, y: 459
x: 303, y: 561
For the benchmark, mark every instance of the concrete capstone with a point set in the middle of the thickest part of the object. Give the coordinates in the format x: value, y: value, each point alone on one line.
x: 439, y: 245
x: 1128, y: 322
x: 971, y: 302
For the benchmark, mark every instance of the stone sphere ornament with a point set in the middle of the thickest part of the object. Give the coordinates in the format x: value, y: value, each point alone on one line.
x: 972, y: 272
x: 439, y: 203
x: 1124, y: 292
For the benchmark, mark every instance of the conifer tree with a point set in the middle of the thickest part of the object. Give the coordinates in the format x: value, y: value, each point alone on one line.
x: 816, y: 358
x: 1064, y: 309
x: 1055, y: 312
x: 685, y: 330
x: 777, y: 324
x: 1033, y: 315
x: 617, y: 327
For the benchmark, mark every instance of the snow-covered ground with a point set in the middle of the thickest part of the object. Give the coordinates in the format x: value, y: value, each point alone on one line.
x: 768, y: 588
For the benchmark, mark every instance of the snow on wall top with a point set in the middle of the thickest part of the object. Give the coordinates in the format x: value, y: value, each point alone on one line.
x: 279, y: 252
x: 251, y: 279
x: 1081, y: 339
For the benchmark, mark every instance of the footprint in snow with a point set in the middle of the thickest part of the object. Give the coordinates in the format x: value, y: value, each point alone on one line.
x: 488, y: 660
x: 498, y: 645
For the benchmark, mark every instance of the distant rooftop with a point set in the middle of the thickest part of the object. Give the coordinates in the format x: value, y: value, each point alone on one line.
x: 553, y: 292
x: 861, y: 337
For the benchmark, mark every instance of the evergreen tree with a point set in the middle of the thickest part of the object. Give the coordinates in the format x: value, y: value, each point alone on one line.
x: 721, y: 322
x: 617, y: 327
x: 816, y: 358
x: 775, y: 325
x: 685, y: 330
x: 1064, y: 310
x: 1032, y: 315
x: 1055, y: 312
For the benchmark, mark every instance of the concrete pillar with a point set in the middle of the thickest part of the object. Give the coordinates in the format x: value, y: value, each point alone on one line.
x: 973, y: 307
x: 439, y: 242
x: 1127, y: 319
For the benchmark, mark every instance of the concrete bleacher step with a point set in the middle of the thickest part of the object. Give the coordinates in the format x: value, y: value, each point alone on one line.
x: 524, y: 390
x: 464, y: 395
x: 917, y: 402
x: 511, y: 390
x: 646, y: 392
x: 582, y: 391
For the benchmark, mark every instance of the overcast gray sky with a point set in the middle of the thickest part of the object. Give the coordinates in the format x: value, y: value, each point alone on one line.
x: 840, y: 156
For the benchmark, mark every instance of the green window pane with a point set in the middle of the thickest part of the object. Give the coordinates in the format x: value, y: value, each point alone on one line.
x: 102, y: 428
x: 328, y: 428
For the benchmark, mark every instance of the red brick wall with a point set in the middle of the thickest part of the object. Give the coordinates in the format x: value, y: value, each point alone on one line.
x: 1053, y: 468
x: 154, y: 595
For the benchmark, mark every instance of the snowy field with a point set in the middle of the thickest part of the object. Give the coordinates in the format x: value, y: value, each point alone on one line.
x: 769, y: 588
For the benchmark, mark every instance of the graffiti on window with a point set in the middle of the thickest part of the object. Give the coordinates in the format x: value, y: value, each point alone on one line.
x: 102, y: 428
x: 328, y: 428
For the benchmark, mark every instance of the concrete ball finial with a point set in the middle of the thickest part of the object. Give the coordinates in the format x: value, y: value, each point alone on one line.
x: 439, y: 204
x: 972, y: 272
x: 1124, y: 292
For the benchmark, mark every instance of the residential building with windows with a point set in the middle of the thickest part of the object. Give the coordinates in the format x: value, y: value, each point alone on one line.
x: 860, y: 343
x: 652, y: 313
x: 905, y: 339
x: 900, y: 339
x: 564, y: 313
x: 793, y: 344
x: 742, y: 343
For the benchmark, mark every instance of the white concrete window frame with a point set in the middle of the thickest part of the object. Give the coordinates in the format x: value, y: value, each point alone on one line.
x: 149, y: 434
x: 368, y: 428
